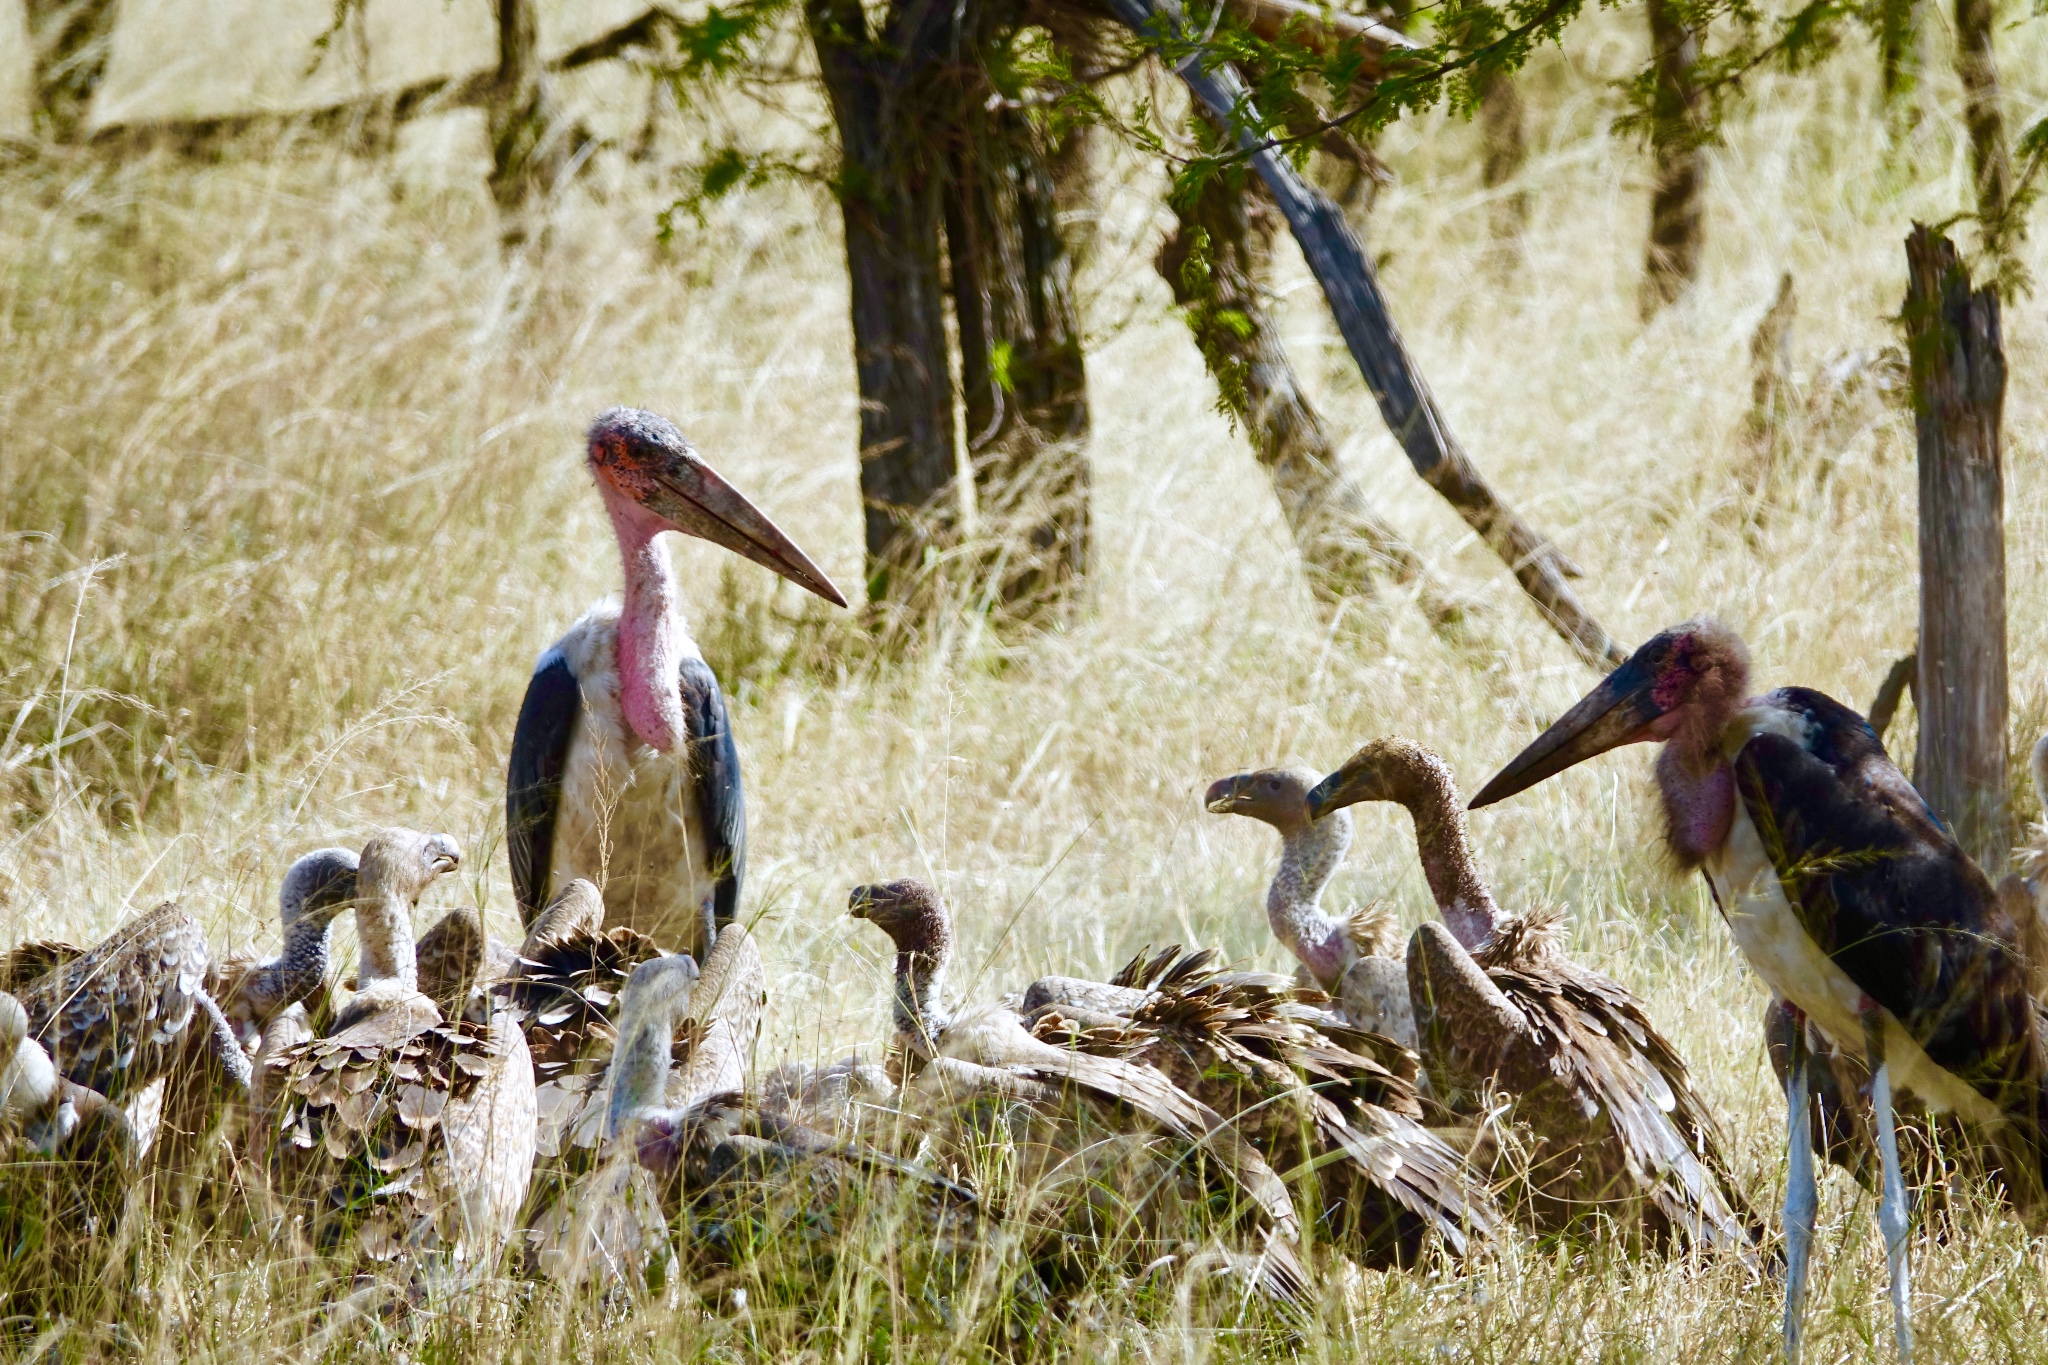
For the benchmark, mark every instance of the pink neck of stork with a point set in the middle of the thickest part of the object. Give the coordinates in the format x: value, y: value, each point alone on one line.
x: 650, y: 630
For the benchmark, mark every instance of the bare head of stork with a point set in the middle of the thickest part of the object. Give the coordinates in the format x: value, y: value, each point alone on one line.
x: 1417, y: 779
x: 653, y: 480
x: 1682, y: 686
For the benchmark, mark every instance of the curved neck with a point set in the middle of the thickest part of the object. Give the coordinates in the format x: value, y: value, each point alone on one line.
x: 639, y: 1068
x: 298, y: 969
x: 1310, y: 854
x: 650, y: 631
x: 384, y: 928
x: 1461, y: 895
x: 919, y: 996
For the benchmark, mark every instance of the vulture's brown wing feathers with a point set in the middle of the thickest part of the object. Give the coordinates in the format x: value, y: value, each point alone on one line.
x: 1305, y: 1088
x: 396, y: 1135
x: 450, y: 957
x: 1605, y: 1097
x: 116, y: 1017
x: 26, y: 963
x: 726, y: 1006
x: 568, y: 980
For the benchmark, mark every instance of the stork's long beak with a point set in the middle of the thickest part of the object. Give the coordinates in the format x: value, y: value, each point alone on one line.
x: 691, y: 496
x: 1221, y: 798
x: 1619, y: 711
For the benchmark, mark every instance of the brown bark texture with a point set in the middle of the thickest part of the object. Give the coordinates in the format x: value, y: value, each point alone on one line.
x: 69, y: 41
x: 1351, y: 286
x: 880, y: 85
x: 1977, y: 68
x: 1898, y: 51
x: 1023, y: 386
x: 1678, y: 189
x: 524, y: 141
x: 1344, y: 544
x: 1958, y: 366
x: 1503, y: 130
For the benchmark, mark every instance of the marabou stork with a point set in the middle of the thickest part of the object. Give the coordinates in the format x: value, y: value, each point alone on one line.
x: 1615, y: 1124
x: 623, y: 767
x: 1849, y: 898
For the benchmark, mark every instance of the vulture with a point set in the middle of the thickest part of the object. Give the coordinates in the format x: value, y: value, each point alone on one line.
x: 1312, y: 1094
x: 1350, y: 956
x: 409, y: 1126
x: 623, y: 768
x: 943, y: 1060
x: 116, y: 1019
x: 1851, y: 900
x: 1613, y: 1125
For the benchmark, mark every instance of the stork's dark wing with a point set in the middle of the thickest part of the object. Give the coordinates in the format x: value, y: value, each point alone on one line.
x: 715, y: 768
x: 533, y: 778
x: 1884, y: 890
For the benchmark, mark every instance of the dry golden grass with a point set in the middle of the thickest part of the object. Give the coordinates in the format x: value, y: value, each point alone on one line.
x: 290, y: 498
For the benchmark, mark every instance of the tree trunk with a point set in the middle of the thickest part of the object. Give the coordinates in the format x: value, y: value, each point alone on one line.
x: 1958, y: 409
x: 69, y: 41
x: 1898, y: 52
x: 1503, y: 130
x: 890, y: 200
x: 1023, y: 387
x: 1990, y: 167
x: 1344, y: 544
x: 1677, y: 196
x: 1351, y: 286
x: 524, y: 145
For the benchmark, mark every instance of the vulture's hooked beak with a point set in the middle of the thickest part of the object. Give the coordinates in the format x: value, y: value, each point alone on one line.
x: 692, y: 497
x: 1349, y: 785
x: 1224, y: 793
x: 859, y: 901
x: 443, y: 854
x: 1619, y: 711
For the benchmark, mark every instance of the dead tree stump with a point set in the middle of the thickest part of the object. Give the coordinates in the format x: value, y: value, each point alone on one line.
x: 1958, y: 407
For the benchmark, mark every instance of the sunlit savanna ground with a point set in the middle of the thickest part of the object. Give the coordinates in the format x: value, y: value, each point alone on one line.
x: 290, y: 498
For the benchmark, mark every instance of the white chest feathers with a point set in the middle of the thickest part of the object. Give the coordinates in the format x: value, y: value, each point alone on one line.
x: 1768, y: 931
x: 629, y: 819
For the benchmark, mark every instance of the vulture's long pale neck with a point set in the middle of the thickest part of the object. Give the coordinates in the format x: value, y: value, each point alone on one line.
x: 650, y: 625
x: 384, y: 929
x: 299, y: 967
x: 919, y: 1001
x: 1462, y: 898
x: 1310, y: 854
x: 639, y: 1069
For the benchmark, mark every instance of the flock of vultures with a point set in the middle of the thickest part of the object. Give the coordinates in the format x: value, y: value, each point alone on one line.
x: 585, y: 1105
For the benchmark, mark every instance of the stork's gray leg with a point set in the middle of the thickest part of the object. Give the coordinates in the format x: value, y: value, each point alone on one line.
x: 1802, y: 1200
x: 1892, y: 1218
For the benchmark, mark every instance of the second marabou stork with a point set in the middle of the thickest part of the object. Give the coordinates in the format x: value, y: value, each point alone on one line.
x: 1848, y: 897
x: 623, y: 766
